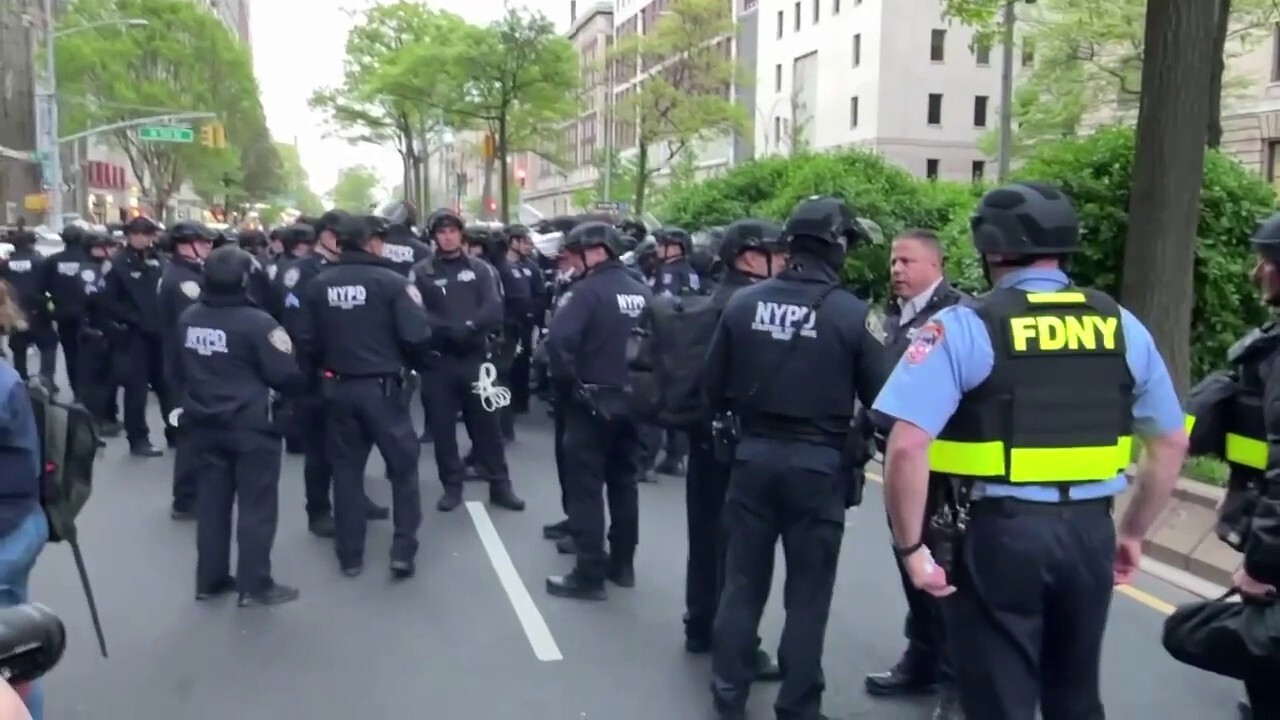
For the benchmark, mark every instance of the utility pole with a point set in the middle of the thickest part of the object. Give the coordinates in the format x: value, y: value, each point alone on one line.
x: 608, y: 131
x: 1006, y: 92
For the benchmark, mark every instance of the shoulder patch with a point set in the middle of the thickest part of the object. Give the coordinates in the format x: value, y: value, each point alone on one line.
x: 291, y: 277
x: 927, y: 338
x: 414, y: 294
x: 875, y: 326
x: 190, y: 288
x: 106, y: 266
x: 272, y: 269
x: 280, y: 340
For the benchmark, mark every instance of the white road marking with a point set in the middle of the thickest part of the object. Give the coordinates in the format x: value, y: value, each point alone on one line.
x: 535, y: 627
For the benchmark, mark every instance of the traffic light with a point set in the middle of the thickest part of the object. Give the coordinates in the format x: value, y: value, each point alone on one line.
x: 219, y: 135
x: 492, y: 205
x: 489, y: 146
x: 206, y: 136
x: 520, y: 177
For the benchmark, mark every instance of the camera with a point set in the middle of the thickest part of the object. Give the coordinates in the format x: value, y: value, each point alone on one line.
x: 32, y: 641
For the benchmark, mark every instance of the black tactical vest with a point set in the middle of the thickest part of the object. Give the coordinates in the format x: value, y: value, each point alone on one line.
x: 1246, y: 432
x: 1057, y: 407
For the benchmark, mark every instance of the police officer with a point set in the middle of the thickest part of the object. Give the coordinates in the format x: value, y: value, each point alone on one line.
x: 465, y: 311
x: 919, y: 290
x: 130, y: 299
x: 533, y: 295
x: 675, y: 276
x: 179, y: 290
x: 97, y: 380
x: 233, y: 355
x: 296, y: 241
x: 1029, y: 396
x: 790, y: 382
x: 65, y: 285
x: 362, y: 326
x: 399, y: 246
x: 745, y: 250
x: 586, y: 347
x: 558, y: 398
x: 25, y: 271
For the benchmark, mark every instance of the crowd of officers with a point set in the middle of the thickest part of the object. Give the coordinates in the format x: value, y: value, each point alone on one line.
x: 1006, y: 420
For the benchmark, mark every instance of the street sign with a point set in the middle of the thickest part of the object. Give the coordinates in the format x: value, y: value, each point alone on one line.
x: 166, y: 133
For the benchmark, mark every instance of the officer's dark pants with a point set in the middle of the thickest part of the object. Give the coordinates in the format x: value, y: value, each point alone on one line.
x: 363, y: 413
x: 239, y: 469
x: 795, y: 491
x: 599, y: 457
x: 317, y: 471
x: 446, y: 388
x: 69, y: 339
x: 1264, y: 694
x: 1033, y: 590
x: 926, y: 656
x: 704, y: 494
x: 140, y: 364
x: 96, y: 385
x: 675, y: 446
x: 651, y: 439
x: 562, y: 464
x: 44, y: 339
x: 520, y: 371
x: 186, y: 473
x: 295, y: 431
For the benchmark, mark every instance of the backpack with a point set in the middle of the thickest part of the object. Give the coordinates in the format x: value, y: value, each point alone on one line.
x: 667, y: 352
x: 69, y: 441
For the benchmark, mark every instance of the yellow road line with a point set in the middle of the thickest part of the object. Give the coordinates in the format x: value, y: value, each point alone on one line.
x: 1133, y: 593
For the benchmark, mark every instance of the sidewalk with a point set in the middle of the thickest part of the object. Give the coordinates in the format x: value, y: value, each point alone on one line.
x: 1183, y: 535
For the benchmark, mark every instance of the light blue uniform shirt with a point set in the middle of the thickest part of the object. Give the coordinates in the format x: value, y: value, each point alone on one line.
x: 926, y: 393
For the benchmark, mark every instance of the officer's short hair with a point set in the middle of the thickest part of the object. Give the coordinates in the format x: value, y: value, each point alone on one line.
x: 926, y: 237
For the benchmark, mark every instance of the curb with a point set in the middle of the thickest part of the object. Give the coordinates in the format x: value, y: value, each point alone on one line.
x: 1183, y: 536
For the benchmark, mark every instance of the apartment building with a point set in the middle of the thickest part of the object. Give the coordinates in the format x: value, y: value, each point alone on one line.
x: 18, y: 176
x: 889, y: 75
x: 1251, y: 107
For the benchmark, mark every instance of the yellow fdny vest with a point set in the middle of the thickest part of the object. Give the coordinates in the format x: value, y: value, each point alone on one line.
x: 1058, y: 406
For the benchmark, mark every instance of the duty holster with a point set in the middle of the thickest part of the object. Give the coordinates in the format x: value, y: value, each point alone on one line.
x: 725, y: 431
x: 1235, y: 515
x: 945, y: 529
x: 857, y: 452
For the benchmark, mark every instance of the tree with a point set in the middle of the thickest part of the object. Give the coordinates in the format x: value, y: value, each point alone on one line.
x: 185, y: 59
x: 379, y: 104
x: 687, y: 97
x: 512, y: 79
x: 295, y: 184
x: 1168, y: 164
x: 356, y: 189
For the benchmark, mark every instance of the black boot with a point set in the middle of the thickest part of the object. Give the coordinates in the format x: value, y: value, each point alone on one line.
x: 321, y: 525
x: 576, y: 587
x: 218, y: 589
x: 556, y: 530
x: 144, y: 448
x: 910, y: 676
x: 505, y: 497
x: 277, y: 594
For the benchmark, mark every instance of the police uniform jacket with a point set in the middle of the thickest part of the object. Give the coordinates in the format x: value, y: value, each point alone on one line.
x: 25, y: 271
x: 179, y: 289
x: 803, y: 389
x: 898, y: 335
x: 129, y: 290
x: 587, y: 337
x: 232, y: 355
x: 67, y: 272
x: 402, y: 250
x: 291, y: 285
x: 462, y: 301
x: 360, y: 318
x: 676, y: 277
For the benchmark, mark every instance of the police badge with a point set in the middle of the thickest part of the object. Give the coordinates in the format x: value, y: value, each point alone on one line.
x: 291, y: 277
x: 280, y: 340
x: 190, y: 288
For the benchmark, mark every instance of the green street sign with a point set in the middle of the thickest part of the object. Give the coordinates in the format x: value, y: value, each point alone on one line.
x: 166, y: 133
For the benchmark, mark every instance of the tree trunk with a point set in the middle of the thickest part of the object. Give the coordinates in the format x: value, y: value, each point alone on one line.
x: 1214, y: 136
x: 642, y: 174
x: 504, y: 188
x: 1168, y: 166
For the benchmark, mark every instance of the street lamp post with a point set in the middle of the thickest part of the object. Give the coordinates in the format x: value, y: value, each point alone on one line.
x: 47, y: 107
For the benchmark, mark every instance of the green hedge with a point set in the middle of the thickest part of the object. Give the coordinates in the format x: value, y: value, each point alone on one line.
x: 1094, y: 170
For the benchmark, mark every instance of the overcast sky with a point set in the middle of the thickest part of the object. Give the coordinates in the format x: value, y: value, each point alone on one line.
x: 298, y: 47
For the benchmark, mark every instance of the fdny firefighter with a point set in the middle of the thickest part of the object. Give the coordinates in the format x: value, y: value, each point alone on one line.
x: 1029, y: 397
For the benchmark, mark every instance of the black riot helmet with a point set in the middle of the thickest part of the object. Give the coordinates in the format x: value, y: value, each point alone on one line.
x: 592, y: 234
x: 379, y: 226
x: 1025, y: 219
x: 1266, y: 239
x: 444, y: 218
x: 73, y: 235
x: 824, y: 219
x: 190, y: 231
x: 227, y: 270
x: 399, y: 212
x: 748, y: 234
x: 254, y: 241
x: 297, y: 234
x: 476, y: 235
x: 516, y: 230
x: 351, y: 232
x: 675, y: 236
x: 634, y: 228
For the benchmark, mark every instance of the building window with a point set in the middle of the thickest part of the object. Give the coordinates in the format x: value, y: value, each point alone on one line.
x: 797, y: 15
x: 780, y: 23
x: 938, y: 46
x: 835, y: 7
x: 1028, y: 52
x: 982, y: 53
x: 853, y: 112
x: 980, y: 103
x: 777, y: 130
x: 749, y: 5
x: 1275, y: 54
x: 817, y: 10
x: 931, y: 168
x: 935, y: 109
x: 857, y: 50
x: 979, y: 170
x: 1273, y: 164
x: 777, y: 77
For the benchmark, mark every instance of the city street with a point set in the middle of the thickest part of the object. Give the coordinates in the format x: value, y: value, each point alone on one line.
x: 462, y: 641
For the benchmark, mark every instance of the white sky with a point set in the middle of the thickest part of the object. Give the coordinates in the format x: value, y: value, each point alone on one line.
x: 295, y: 53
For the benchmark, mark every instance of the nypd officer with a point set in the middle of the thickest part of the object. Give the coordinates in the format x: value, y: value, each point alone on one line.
x: 65, y: 281
x: 521, y: 264
x: 559, y: 531
x: 130, y: 300
x: 179, y: 290
x: 586, y: 347
x: 790, y: 358
x: 25, y: 271
x: 1030, y: 396
x: 233, y: 355
x: 399, y: 246
x: 97, y: 381
x: 919, y: 291
x: 362, y: 326
x: 464, y: 310
x: 745, y: 251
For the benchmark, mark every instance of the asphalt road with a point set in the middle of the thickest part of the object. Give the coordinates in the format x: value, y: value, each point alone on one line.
x: 474, y: 637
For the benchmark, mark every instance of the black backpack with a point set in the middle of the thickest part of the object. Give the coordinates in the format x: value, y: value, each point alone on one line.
x: 69, y: 442
x: 665, y: 359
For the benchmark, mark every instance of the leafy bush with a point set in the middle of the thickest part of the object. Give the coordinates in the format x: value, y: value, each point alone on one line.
x: 1094, y: 170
